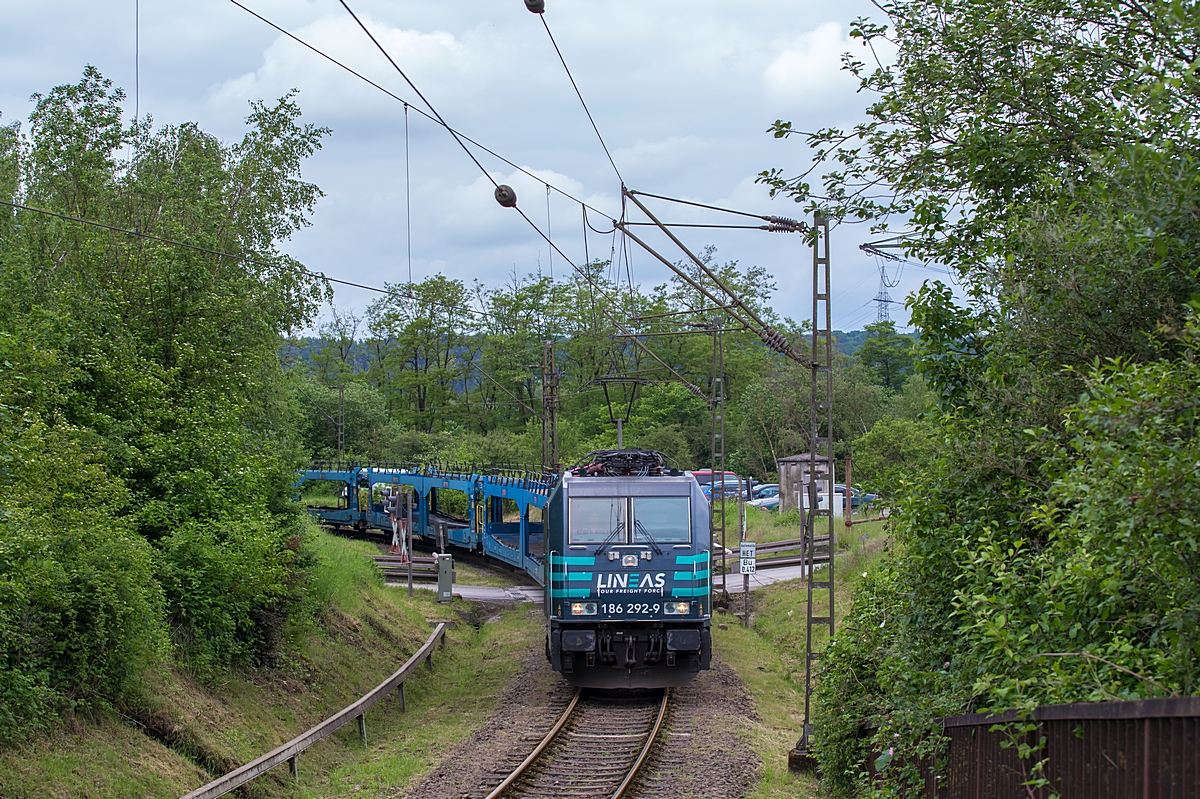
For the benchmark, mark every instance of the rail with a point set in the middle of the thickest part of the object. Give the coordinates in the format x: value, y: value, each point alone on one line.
x: 290, y: 751
x: 650, y: 739
x: 537, y: 751
x: 595, y: 787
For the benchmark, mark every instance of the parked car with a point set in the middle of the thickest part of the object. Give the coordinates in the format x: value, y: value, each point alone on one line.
x: 727, y: 487
x: 704, y: 476
x: 765, y: 503
x: 857, y: 497
x: 766, y: 490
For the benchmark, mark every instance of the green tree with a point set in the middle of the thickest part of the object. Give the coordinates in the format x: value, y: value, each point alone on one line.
x: 334, y: 358
x: 1049, y: 162
x: 887, y: 354
x: 366, y: 424
x: 148, y: 420
x: 914, y: 400
x: 417, y: 333
x: 859, y: 401
x: 894, y: 452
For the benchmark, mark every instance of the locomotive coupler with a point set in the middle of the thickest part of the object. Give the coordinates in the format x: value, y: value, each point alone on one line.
x: 654, y: 647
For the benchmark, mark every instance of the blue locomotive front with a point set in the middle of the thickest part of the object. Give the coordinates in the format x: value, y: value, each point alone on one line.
x: 628, y: 574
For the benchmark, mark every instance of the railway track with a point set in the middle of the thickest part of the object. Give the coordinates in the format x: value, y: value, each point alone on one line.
x: 593, y: 751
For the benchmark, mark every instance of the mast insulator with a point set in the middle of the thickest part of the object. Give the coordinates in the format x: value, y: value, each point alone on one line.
x: 506, y: 196
x: 783, y: 224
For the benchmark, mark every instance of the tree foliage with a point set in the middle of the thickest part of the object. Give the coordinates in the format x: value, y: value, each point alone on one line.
x: 894, y: 451
x: 453, y: 366
x: 887, y: 354
x: 148, y: 441
x: 1045, y: 152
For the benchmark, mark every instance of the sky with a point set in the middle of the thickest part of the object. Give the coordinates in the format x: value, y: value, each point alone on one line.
x: 682, y: 92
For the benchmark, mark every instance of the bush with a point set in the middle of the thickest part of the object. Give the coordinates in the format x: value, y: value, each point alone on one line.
x: 80, y: 613
x: 227, y: 587
x: 894, y: 451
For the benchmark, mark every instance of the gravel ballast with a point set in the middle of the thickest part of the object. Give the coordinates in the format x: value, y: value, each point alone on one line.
x: 702, y: 752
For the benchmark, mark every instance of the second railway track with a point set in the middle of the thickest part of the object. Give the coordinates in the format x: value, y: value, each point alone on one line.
x: 593, y: 751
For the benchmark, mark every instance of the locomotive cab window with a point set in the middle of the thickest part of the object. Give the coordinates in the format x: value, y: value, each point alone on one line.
x: 663, y: 520
x: 598, y: 520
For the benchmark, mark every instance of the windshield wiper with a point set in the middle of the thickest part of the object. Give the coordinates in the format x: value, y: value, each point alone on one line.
x: 641, y: 528
x: 612, y: 536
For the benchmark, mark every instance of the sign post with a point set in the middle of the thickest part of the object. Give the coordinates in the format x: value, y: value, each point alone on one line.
x: 748, y: 554
x: 408, y: 519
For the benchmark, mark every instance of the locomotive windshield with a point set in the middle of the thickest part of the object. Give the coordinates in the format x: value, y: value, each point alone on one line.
x: 597, y: 520
x: 604, y: 520
x: 665, y: 520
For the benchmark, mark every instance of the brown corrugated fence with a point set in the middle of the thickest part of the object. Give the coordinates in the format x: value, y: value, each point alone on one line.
x: 1147, y: 749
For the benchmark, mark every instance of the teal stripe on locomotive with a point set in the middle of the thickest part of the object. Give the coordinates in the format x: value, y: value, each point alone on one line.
x: 682, y: 591
x: 578, y: 577
x: 688, y: 560
x: 572, y: 560
x: 570, y: 593
x: 701, y: 574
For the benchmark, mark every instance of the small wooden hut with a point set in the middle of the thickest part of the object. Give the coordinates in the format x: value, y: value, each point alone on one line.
x: 794, y: 476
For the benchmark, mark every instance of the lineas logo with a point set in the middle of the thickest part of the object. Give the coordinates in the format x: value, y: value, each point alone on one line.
x: 630, y: 582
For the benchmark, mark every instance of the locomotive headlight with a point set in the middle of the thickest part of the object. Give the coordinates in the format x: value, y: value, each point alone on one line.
x: 677, y: 608
x: 629, y: 560
x: 583, y: 608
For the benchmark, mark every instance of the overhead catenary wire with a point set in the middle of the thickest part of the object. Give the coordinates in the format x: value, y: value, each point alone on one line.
x: 137, y: 58
x: 400, y: 99
x: 783, y: 223
x: 595, y: 230
x: 240, y: 257
x: 499, y: 385
x: 879, y: 250
x: 413, y: 86
x: 582, y: 102
x: 689, y: 385
x: 246, y: 259
x: 586, y: 258
x: 769, y: 336
x: 701, y: 225
x: 407, y: 197
x: 787, y: 224
x: 694, y: 389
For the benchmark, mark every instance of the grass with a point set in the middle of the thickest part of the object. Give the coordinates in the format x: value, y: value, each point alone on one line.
x: 469, y: 574
x: 769, y: 657
x: 765, y: 526
x: 444, y: 708
x: 100, y: 757
x: 364, y: 634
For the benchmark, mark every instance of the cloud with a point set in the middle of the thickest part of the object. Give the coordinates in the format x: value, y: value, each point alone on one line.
x: 682, y: 91
x: 651, y: 160
x: 810, y: 67
x: 436, y: 60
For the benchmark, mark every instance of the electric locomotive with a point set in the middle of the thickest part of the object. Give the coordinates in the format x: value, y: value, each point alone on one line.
x: 627, y: 573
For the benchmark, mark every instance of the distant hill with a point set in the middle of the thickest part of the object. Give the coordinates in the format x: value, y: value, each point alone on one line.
x: 301, y: 350
x: 849, y: 341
